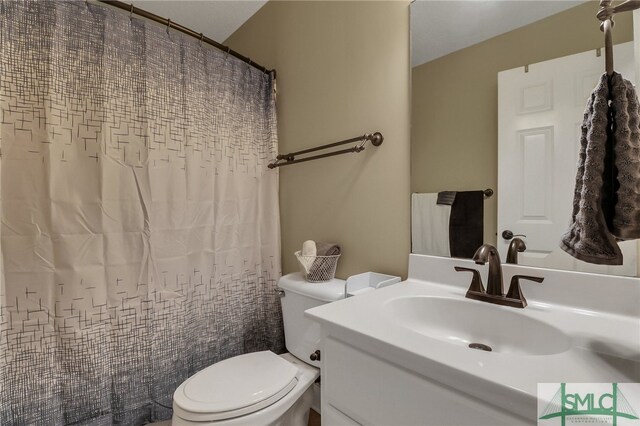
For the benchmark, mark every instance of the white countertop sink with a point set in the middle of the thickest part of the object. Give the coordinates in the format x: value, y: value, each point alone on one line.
x: 577, y: 328
x: 464, y: 322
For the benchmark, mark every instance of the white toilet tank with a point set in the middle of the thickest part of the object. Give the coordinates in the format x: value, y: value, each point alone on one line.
x: 302, y: 336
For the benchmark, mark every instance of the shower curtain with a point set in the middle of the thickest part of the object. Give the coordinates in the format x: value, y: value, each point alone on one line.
x: 140, y: 224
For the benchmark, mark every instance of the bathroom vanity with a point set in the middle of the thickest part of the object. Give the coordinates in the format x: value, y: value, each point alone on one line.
x: 401, y: 355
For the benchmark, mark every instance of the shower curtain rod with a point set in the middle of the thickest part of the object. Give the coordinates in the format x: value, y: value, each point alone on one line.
x: 169, y: 23
x: 375, y: 138
x: 605, y: 14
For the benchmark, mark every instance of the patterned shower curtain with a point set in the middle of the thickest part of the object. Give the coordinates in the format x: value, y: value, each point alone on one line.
x: 140, y: 224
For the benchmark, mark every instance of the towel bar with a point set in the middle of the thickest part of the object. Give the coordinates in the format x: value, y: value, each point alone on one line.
x: 375, y: 138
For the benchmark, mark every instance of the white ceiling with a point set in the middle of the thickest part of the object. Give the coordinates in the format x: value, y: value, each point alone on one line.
x: 438, y: 27
x: 215, y: 19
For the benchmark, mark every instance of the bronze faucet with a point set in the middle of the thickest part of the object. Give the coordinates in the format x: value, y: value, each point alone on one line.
x: 488, y: 253
x: 515, y: 246
x: 495, y: 290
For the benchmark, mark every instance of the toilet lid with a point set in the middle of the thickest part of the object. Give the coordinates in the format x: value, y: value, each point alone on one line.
x: 235, y: 387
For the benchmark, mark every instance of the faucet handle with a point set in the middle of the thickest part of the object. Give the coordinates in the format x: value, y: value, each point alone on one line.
x: 514, y: 288
x: 476, y: 281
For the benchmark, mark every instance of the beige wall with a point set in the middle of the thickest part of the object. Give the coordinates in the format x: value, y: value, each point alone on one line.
x: 454, y: 130
x: 343, y: 70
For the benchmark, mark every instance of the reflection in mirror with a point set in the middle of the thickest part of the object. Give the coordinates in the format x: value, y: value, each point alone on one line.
x: 540, y: 115
x: 448, y: 223
x: 455, y: 125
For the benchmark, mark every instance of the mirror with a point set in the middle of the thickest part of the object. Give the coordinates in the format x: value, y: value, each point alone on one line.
x: 455, y: 104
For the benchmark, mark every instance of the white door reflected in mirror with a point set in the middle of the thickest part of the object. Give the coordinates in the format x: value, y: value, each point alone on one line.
x: 540, y: 113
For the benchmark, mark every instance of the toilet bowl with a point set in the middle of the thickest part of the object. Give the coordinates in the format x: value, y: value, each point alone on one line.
x: 268, y: 389
x: 262, y: 388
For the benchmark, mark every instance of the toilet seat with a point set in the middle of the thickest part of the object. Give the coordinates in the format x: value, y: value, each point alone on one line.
x: 235, y: 387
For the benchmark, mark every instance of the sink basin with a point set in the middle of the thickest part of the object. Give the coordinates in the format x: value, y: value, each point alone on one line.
x: 465, y: 322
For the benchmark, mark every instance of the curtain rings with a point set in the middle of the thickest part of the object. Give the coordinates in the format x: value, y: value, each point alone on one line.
x: 168, y: 25
x: 201, y: 37
x: 131, y: 11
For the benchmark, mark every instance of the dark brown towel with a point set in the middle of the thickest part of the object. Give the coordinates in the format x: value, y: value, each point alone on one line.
x: 446, y: 198
x: 466, y: 223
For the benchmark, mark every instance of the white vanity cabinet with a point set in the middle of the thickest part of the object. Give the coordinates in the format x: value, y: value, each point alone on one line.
x: 359, y: 388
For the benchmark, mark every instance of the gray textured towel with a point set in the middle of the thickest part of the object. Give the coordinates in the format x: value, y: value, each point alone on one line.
x: 606, y: 201
x: 327, y: 249
x: 320, y: 267
x: 626, y: 116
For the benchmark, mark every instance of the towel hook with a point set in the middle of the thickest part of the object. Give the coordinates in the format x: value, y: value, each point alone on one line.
x: 605, y: 14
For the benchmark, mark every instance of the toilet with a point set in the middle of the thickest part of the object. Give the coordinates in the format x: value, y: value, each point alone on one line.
x: 262, y: 388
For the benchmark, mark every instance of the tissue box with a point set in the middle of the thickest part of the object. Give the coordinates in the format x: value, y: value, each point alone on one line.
x: 361, y: 283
